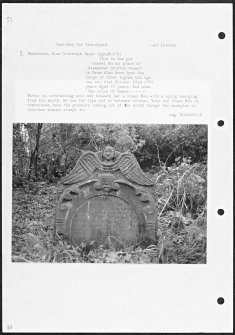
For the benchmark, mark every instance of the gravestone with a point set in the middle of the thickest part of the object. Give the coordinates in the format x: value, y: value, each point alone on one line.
x: 107, y: 194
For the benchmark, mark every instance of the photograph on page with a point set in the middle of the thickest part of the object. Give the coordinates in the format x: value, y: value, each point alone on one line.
x: 117, y: 167
x: 109, y: 193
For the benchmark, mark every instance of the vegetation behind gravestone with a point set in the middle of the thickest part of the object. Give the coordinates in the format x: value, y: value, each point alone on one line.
x: 42, y: 153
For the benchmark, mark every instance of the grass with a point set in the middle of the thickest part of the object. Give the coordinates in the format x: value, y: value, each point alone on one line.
x: 181, y: 224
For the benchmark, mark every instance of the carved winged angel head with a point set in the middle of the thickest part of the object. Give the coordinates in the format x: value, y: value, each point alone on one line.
x: 90, y: 162
x: 108, y: 153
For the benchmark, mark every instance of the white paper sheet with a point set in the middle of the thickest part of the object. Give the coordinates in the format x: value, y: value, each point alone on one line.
x: 179, y: 71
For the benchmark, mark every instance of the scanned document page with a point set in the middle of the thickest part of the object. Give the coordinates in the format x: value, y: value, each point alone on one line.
x: 117, y: 148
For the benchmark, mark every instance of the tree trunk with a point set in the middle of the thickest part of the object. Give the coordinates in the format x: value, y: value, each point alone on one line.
x: 34, y: 157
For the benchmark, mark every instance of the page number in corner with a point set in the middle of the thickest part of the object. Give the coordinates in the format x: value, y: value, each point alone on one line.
x: 9, y: 327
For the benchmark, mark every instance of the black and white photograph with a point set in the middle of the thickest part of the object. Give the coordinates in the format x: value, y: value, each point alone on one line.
x: 109, y: 193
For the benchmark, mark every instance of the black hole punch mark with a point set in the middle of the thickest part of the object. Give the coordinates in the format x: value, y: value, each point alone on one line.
x: 220, y: 211
x: 220, y: 301
x: 220, y: 123
x: 221, y: 35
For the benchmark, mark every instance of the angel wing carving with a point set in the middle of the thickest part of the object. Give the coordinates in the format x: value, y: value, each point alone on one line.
x: 85, y: 166
x: 129, y: 166
x: 89, y: 162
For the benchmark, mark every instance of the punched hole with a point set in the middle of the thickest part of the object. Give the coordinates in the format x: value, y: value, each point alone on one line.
x: 220, y: 301
x: 220, y: 211
x: 221, y: 35
x: 220, y: 123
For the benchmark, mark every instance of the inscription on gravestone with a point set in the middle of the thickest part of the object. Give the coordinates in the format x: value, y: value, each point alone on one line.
x: 107, y: 194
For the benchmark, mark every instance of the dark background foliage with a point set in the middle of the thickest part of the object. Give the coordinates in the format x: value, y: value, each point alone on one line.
x: 46, y: 152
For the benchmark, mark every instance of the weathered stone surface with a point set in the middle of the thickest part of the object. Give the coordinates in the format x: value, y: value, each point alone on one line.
x: 107, y: 194
x: 99, y: 218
